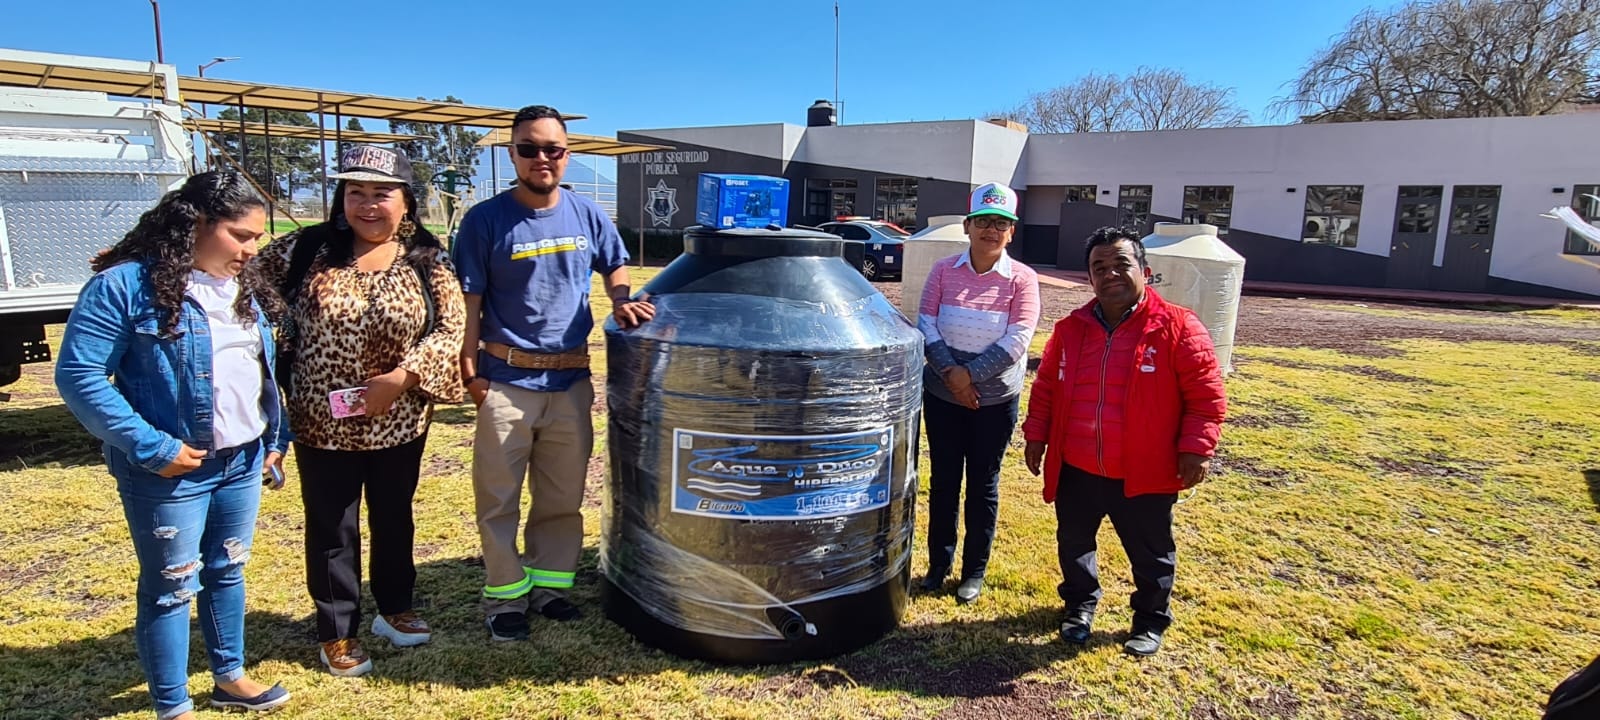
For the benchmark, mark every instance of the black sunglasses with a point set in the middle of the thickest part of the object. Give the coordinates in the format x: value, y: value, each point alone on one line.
x: 529, y: 151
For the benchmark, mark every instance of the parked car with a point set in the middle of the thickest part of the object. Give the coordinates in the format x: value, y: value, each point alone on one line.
x: 883, y: 243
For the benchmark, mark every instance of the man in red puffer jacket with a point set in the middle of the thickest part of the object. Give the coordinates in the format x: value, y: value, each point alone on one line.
x: 1125, y: 413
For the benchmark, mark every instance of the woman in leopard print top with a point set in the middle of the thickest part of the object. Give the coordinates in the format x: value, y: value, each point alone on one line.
x: 359, y: 317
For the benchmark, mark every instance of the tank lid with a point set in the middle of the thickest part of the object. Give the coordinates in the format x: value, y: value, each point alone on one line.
x: 1170, y: 229
x: 771, y: 241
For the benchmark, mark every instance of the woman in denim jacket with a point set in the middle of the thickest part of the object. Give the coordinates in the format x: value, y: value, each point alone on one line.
x: 189, y: 418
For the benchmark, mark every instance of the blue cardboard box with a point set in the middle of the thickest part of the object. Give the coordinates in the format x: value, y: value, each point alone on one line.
x: 742, y: 201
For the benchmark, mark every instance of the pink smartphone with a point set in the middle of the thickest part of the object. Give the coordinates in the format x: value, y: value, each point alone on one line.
x: 348, y: 402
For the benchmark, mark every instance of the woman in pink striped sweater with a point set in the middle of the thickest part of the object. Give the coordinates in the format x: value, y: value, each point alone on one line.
x: 977, y: 317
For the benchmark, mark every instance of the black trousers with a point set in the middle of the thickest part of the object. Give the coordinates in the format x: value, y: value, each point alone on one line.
x: 331, y: 485
x: 975, y: 439
x: 1143, y: 524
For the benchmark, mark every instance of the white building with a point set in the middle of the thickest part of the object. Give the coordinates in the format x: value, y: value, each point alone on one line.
x: 1432, y: 204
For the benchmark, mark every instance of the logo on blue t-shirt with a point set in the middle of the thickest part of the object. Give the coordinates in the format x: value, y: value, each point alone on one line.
x: 548, y: 246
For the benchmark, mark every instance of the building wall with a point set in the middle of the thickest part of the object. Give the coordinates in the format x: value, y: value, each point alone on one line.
x: 1527, y: 157
x: 1269, y: 169
x: 675, y: 174
x: 937, y: 150
x: 638, y: 178
x: 999, y: 155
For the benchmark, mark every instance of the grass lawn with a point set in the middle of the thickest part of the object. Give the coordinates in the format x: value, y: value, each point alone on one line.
x: 1402, y: 533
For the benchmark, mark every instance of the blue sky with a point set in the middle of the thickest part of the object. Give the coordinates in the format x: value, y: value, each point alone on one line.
x: 635, y: 65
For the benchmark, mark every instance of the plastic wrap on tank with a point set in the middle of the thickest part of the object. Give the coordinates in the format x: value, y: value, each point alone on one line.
x: 763, y: 452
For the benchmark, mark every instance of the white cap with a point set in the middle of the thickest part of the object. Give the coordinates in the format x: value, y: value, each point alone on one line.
x: 993, y: 199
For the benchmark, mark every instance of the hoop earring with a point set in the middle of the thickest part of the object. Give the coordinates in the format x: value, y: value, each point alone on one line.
x: 406, y: 229
x: 340, y: 222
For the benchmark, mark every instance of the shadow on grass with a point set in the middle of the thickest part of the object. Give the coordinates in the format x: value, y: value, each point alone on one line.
x: 970, y: 659
x: 98, y: 677
x: 45, y: 436
x: 455, y: 414
x: 1592, y: 478
x: 977, y: 659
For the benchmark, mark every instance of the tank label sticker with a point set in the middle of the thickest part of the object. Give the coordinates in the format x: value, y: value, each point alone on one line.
x: 781, y: 477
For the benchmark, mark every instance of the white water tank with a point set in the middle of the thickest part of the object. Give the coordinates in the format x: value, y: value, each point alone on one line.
x: 1194, y: 268
x: 944, y: 236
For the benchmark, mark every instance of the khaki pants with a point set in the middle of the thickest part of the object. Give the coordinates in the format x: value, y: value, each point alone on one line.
x: 547, y: 437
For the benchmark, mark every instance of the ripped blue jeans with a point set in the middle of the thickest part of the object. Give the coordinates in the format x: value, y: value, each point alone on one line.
x: 192, y: 535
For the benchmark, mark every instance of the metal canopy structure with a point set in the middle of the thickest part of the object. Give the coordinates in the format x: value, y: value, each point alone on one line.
x: 52, y: 71
x: 377, y: 107
x: 128, y: 78
x: 144, y: 79
x: 577, y: 143
x: 298, y: 132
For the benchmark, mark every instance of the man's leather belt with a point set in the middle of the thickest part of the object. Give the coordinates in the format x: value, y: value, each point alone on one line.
x: 529, y: 360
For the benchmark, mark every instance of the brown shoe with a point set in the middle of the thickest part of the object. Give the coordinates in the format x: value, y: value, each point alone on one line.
x: 345, y: 658
x: 403, y: 629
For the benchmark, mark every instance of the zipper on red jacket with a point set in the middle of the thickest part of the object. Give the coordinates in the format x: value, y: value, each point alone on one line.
x: 1099, y: 421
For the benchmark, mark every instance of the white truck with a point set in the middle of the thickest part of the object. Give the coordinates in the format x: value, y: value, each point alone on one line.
x: 77, y: 169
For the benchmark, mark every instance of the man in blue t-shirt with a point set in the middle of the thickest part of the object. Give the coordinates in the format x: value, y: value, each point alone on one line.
x: 525, y: 259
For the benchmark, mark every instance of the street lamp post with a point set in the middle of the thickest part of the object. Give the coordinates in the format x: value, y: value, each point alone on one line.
x: 204, y: 111
x: 202, y: 72
x: 214, y: 61
x: 155, y: 8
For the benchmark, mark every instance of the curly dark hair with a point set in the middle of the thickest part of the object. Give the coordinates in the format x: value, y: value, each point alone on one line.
x: 339, y: 239
x: 1112, y: 236
x: 163, y: 240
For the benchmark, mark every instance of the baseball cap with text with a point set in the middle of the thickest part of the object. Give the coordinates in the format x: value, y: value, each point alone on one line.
x: 993, y: 199
x: 371, y: 163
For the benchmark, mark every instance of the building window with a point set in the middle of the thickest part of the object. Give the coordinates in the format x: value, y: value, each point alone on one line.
x: 1081, y: 193
x: 1133, y: 203
x: 1586, y: 202
x: 1473, y: 218
x: 1419, y: 209
x: 897, y: 201
x: 1333, y: 215
x: 829, y: 199
x: 1211, y: 204
x: 1421, y: 191
x: 816, y: 202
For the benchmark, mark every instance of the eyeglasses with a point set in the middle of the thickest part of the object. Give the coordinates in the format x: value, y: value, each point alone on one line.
x: 529, y: 151
x: 991, y: 222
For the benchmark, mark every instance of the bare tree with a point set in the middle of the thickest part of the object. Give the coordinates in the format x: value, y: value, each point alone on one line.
x: 1453, y: 58
x: 1166, y: 100
x: 1149, y: 99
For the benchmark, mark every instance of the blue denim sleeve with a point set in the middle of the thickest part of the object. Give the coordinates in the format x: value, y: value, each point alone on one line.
x: 285, y: 436
x: 277, y: 436
x: 98, y: 334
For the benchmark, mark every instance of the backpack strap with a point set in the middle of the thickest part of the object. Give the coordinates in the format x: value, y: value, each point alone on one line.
x: 427, y: 298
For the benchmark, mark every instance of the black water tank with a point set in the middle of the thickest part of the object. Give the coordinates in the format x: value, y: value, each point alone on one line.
x: 821, y: 114
x: 759, y: 505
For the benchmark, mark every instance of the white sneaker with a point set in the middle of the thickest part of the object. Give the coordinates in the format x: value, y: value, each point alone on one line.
x: 403, y: 630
